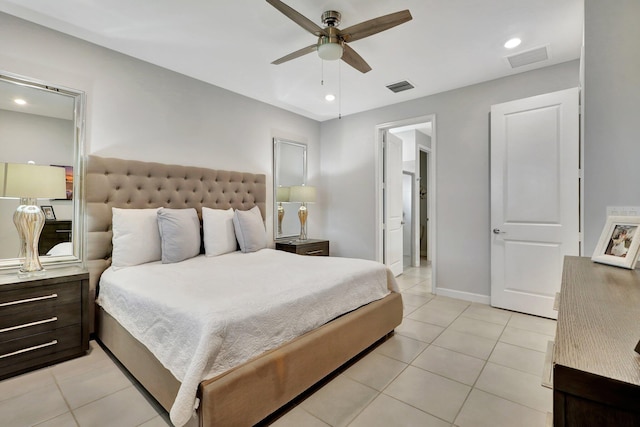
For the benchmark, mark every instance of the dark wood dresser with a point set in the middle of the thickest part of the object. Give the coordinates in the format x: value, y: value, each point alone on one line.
x: 54, y: 232
x: 596, y: 372
x: 304, y: 247
x: 43, y: 320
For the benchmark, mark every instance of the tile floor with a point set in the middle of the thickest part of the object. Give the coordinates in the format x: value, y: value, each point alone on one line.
x: 450, y: 363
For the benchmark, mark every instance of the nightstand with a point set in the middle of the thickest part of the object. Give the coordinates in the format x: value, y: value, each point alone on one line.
x: 54, y: 232
x: 304, y: 247
x: 43, y: 320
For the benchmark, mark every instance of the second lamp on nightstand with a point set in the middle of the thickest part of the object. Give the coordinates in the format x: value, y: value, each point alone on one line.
x: 305, y: 247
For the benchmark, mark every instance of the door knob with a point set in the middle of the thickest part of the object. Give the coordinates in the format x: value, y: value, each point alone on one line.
x: 497, y: 231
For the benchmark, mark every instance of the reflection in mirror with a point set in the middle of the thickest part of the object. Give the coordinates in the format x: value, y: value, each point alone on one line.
x: 44, y: 125
x: 289, y: 168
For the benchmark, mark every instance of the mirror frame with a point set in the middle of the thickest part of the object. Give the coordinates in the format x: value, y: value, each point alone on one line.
x: 79, y: 102
x: 277, y: 143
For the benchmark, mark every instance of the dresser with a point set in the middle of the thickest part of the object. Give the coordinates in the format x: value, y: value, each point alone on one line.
x: 596, y: 372
x: 304, y: 247
x: 54, y: 232
x: 43, y: 320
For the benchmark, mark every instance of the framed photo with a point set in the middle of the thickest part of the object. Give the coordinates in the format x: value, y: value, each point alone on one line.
x: 68, y: 173
x: 48, y: 213
x: 619, y: 242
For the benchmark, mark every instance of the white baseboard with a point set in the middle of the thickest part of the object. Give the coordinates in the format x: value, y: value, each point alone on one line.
x: 466, y: 296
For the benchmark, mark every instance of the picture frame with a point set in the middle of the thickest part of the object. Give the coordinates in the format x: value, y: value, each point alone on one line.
x: 619, y: 242
x: 68, y: 175
x: 49, y: 214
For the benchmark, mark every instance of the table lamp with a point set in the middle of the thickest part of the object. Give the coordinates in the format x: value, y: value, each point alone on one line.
x: 303, y: 194
x: 29, y: 182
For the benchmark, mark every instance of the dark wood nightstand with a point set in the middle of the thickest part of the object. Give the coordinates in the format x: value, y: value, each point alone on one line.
x: 304, y: 247
x: 54, y: 232
x: 43, y: 320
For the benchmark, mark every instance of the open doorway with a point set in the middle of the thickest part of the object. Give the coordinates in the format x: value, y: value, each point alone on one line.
x: 418, y: 190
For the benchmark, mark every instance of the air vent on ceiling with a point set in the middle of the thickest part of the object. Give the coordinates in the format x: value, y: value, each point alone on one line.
x: 528, y: 57
x: 400, y: 86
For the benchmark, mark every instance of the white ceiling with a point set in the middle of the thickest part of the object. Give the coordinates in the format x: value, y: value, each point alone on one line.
x: 231, y: 44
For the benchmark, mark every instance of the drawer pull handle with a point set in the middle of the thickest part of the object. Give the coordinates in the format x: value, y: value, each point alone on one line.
x: 23, y: 301
x: 63, y: 231
x: 26, y: 325
x: 319, y: 251
x: 24, y: 350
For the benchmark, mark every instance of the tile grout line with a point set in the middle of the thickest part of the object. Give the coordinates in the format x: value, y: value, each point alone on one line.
x: 66, y: 402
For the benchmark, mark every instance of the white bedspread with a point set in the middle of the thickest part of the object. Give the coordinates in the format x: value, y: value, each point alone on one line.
x: 203, y: 316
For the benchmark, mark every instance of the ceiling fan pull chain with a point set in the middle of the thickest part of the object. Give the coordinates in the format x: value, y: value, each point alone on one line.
x: 321, y: 73
x: 339, y: 90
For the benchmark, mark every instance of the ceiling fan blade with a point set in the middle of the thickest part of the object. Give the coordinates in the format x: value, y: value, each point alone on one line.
x: 373, y: 26
x: 352, y: 58
x: 297, y: 17
x: 296, y: 54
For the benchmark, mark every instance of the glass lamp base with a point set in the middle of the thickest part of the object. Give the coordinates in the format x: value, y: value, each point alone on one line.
x: 29, y: 220
x: 302, y: 215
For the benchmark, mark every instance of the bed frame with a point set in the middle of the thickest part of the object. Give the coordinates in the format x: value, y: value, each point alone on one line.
x: 250, y: 392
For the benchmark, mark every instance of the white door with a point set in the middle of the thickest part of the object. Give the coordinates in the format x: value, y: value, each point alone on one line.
x: 393, y: 203
x: 534, y: 199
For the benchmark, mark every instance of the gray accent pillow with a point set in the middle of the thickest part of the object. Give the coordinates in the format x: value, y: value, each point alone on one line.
x: 179, y: 234
x: 250, y: 230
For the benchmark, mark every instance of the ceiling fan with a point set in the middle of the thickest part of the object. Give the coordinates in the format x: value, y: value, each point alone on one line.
x: 332, y: 42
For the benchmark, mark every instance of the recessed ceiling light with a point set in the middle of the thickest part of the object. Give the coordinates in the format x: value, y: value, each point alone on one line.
x: 510, y: 44
x: 20, y: 101
x: 330, y: 97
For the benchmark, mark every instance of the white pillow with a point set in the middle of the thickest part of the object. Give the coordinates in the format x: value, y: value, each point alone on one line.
x: 136, y: 239
x: 218, y: 232
x: 179, y: 234
x: 64, y: 248
x: 250, y: 230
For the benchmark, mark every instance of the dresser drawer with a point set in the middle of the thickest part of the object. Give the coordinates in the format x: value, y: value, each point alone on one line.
x: 25, y: 324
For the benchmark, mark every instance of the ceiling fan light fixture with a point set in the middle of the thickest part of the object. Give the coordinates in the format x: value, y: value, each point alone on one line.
x: 330, y: 51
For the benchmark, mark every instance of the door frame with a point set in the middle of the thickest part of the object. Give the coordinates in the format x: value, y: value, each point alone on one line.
x: 431, y: 191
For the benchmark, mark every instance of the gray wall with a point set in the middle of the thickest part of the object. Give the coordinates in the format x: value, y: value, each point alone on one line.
x: 611, y: 110
x: 462, y: 199
x: 136, y: 110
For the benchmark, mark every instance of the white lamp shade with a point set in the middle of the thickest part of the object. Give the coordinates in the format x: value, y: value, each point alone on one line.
x: 302, y: 193
x: 330, y: 51
x: 34, y: 181
x: 282, y: 194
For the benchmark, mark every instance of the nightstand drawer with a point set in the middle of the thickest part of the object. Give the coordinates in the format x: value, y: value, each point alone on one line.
x: 321, y: 248
x: 25, y: 324
x: 305, y: 247
x: 28, y: 304
x: 45, y: 348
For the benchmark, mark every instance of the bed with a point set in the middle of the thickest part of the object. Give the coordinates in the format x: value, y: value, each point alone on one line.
x: 247, y: 393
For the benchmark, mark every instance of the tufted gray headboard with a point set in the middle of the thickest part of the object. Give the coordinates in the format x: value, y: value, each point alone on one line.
x: 133, y: 184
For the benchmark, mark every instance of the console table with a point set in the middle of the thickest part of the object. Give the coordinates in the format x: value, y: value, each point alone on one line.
x: 596, y: 372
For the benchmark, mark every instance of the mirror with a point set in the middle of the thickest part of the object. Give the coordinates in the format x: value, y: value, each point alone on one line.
x: 46, y: 127
x: 289, y: 168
